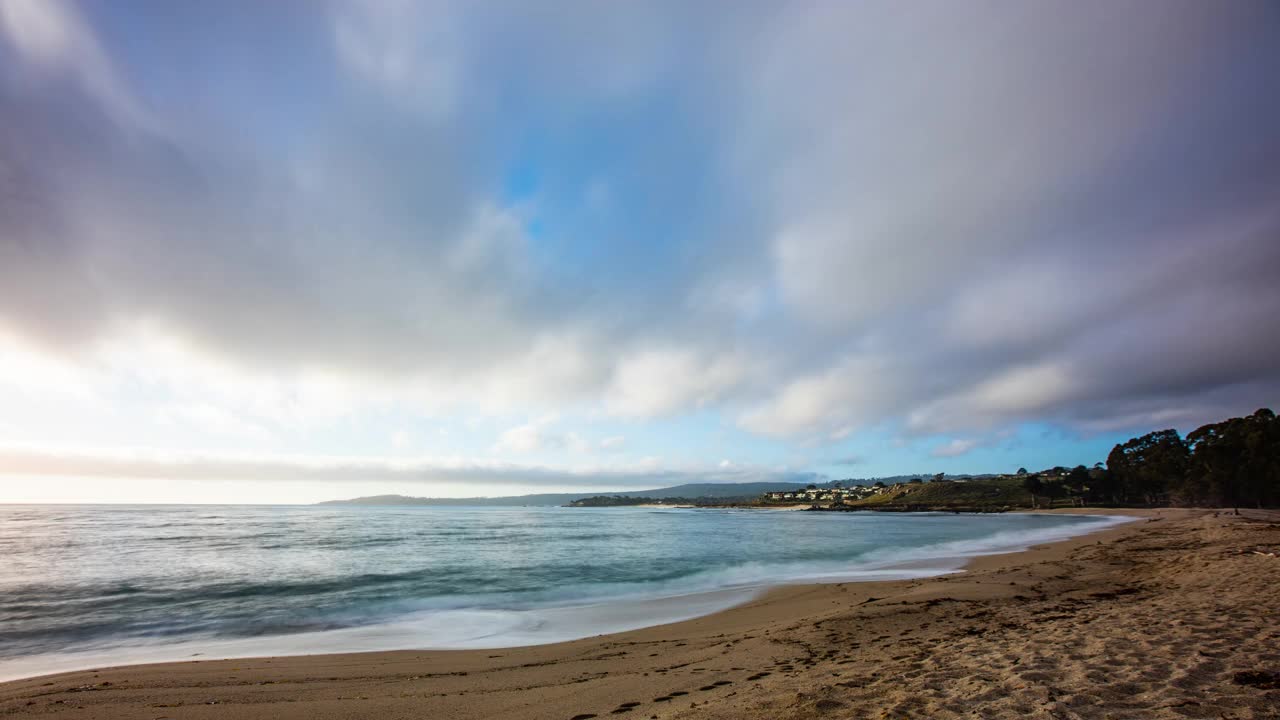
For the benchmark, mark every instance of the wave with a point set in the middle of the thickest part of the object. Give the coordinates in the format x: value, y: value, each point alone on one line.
x: 565, y: 611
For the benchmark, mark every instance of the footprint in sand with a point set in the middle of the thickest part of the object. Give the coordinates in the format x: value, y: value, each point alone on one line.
x: 584, y: 716
x: 714, y: 685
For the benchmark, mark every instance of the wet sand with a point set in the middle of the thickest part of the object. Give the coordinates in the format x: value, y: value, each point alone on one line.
x: 1174, y: 616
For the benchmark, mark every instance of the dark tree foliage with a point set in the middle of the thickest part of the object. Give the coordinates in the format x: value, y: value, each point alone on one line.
x: 1235, y: 462
x: 1033, y: 485
x: 1078, y: 484
x: 1054, y: 490
x: 628, y: 500
x: 1229, y: 463
x: 1145, y: 467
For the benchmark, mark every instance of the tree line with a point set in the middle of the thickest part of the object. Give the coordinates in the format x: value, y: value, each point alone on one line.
x: 628, y: 500
x: 1225, y: 464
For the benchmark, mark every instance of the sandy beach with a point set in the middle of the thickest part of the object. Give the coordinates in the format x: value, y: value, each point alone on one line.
x: 1176, y: 615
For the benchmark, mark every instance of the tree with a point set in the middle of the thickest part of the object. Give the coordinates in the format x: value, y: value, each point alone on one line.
x: 1145, y: 468
x: 1235, y: 461
x: 1033, y: 485
x: 1053, y: 490
x: 1078, y: 482
x: 1260, y: 471
x: 1102, y: 485
x: 1022, y: 471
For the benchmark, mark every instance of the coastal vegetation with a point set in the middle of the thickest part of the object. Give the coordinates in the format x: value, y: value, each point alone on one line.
x: 978, y: 495
x: 718, y: 493
x: 633, y: 500
x: 1226, y: 464
x: 1231, y: 463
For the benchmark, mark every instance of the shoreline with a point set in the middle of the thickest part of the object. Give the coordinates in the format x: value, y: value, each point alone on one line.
x: 924, y: 647
x: 551, y: 624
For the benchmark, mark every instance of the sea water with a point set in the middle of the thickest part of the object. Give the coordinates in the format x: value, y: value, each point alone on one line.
x: 84, y: 586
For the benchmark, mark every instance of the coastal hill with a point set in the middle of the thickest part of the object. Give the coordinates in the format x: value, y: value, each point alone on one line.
x: 725, y: 492
x: 982, y: 495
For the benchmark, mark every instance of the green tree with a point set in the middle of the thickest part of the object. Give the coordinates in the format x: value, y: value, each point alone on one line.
x: 1078, y: 484
x: 1053, y: 489
x: 1102, y: 485
x: 1033, y: 485
x: 1146, y: 468
x: 1234, y: 462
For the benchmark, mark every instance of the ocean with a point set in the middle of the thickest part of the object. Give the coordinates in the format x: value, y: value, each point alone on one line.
x: 85, y: 586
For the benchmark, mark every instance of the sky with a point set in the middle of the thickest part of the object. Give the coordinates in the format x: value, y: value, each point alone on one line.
x: 297, y: 251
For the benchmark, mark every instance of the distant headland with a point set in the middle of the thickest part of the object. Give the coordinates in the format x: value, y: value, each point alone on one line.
x: 1229, y: 463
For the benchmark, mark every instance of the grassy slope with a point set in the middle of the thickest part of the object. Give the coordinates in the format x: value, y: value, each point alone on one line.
x: 980, y: 494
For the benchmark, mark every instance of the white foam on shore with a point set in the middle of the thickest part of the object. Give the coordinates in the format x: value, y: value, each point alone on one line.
x: 445, y: 629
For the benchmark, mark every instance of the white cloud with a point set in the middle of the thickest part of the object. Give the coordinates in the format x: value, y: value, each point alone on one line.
x: 481, y: 474
x: 407, y: 49
x: 838, y: 216
x: 653, y: 383
x: 50, y: 35
x: 1009, y: 395
x: 852, y: 393
x: 530, y: 437
x: 541, y: 435
x: 577, y: 444
x: 954, y: 448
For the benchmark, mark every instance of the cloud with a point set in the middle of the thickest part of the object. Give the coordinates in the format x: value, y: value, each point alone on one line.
x: 805, y: 221
x: 408, y: 49
x: 858, y: 390
x: 541, y: 435
x: 530, y: 437
x: 986, y: 226
x: 651, y: 383
x: 954, y: 448
x: 50, y: 36
x: 31, y: 462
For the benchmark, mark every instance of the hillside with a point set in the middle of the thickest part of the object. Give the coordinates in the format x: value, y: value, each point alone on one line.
x: 977, y: 495
x: 721, y: 491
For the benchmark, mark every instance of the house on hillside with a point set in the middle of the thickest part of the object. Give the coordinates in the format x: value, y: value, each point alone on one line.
x: 782, y: 496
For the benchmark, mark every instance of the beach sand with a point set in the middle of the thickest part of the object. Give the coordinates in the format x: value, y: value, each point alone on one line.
x: 1153, y: 619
